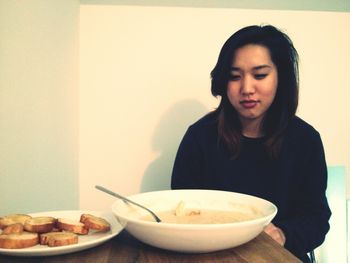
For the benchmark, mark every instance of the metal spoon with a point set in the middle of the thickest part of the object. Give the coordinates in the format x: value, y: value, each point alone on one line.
x: 103, y: 189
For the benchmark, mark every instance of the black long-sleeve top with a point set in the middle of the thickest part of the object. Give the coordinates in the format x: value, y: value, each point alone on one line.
x: 295, y: 182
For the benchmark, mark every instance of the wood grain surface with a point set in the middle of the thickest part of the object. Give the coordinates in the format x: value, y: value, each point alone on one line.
x: 125, y: 248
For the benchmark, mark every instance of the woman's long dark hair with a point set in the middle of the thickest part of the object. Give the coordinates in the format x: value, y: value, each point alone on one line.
x: 282, y: 110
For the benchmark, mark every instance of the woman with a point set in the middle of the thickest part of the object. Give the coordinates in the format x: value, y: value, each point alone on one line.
x: 254, y: 143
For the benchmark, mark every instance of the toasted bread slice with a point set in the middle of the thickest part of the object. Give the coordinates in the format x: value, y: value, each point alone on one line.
x: 13, y: 229
x: 55, y: 239
x: 22, y: 240
x: 13, y: 219
x: 72, y: 226
x: 40, y: 224
x: 96, y: 223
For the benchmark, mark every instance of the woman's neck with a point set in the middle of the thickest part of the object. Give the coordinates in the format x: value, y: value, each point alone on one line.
x: 252, y: 128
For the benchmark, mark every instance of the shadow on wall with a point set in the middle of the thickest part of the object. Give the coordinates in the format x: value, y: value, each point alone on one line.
x: 166, y: 139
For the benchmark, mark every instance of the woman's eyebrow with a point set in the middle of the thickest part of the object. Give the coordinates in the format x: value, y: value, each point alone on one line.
x: 261, y: 67
x: 254, y: 68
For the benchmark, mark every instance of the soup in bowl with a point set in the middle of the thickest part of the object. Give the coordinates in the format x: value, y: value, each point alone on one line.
x: 195, y: 221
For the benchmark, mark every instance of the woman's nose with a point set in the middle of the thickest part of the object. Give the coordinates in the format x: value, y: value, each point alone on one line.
x: 247, y: 86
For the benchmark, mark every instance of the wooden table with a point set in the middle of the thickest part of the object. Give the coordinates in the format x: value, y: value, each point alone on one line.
x: 125, y: 248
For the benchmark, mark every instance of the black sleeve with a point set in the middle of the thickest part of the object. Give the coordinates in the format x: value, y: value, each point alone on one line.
x: 308, y: 225
x: 188, y: 163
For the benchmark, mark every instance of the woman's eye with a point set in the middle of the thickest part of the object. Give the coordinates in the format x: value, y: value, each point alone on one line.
x: 235, y: 77
x: 260, y: 76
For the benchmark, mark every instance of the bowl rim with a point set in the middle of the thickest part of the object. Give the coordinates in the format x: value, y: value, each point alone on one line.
x: 268, y: 218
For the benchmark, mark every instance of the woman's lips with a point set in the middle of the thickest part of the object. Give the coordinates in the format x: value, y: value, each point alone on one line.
x: 248, y: 104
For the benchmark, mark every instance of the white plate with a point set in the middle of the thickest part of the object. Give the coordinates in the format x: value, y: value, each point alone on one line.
x: 85, y: 241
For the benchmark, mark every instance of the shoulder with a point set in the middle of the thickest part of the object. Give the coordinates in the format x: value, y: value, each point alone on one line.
x: 205, y: 124
x: 302, y: 143
x: 302, y: 131
x: 204, y: 129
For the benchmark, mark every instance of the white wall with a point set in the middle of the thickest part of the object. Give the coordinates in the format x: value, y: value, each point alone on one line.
x: 144, y: 75
x: 38, y: 105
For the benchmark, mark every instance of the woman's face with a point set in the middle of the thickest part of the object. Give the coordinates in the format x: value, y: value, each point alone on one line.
x: 253, y: 83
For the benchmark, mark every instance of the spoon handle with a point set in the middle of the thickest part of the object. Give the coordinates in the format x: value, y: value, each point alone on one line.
x: 103, y: 189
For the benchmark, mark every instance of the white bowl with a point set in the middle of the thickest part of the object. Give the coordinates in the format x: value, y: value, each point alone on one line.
x: 193, y: 238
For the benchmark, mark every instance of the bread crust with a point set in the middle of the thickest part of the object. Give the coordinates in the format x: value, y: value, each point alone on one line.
x: 40, y: 224
x: 55, y: 239
x: 22, y: 240
x: 13, y: 219
x: 95, y: 223
x: 13, y: 229
x: 72, y: 226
